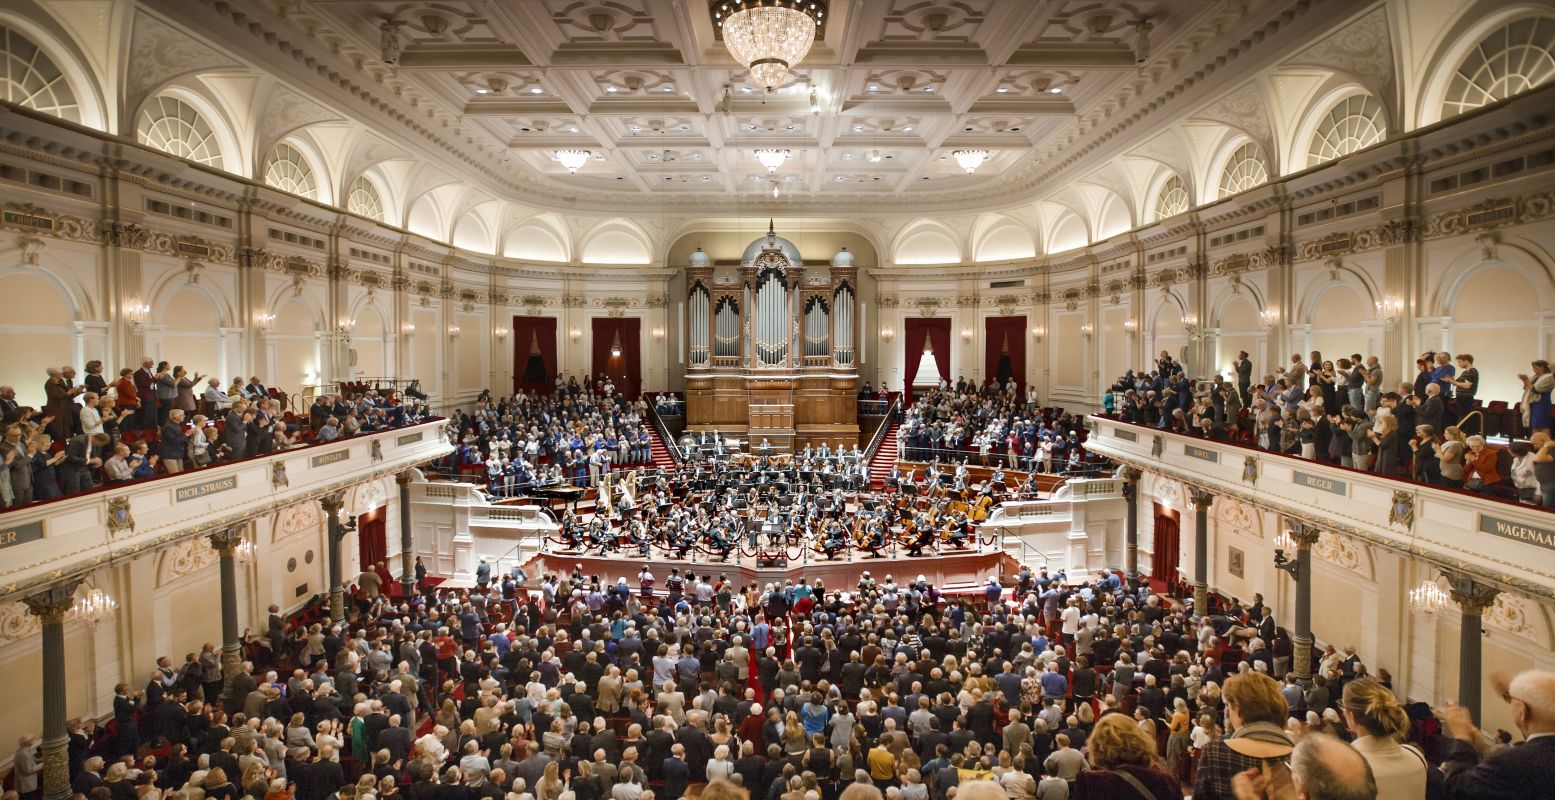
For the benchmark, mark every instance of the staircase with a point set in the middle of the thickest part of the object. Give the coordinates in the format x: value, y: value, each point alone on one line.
x: 661, y: 454
x: 885, y: 456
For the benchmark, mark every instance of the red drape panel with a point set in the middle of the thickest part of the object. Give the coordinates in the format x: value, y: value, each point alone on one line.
x: 1163, y: 562
x: 626, y: 370
x: 912, y: 339
x: 371, y: 539
x: 995, y: 332
x: 543, y: 331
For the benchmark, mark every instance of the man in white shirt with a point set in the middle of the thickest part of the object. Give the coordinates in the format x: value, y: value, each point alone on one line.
x: 1070, y: 618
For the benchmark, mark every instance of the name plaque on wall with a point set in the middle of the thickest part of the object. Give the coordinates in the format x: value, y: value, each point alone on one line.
x: 186, y: 493
x: 1320, y: 483
x: 1203, y: 454
x: 1507, y: 529
x: 21, y: 534
x: 409, y: 438
x: 330, y: 458
x: 1127, y: 436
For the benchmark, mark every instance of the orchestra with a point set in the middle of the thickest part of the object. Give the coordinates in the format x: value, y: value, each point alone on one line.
x: 816, y: 502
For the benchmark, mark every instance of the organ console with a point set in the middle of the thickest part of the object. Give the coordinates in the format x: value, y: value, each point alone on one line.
x: 770, y: 346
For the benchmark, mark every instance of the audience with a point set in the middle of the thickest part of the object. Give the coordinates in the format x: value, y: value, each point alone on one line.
x: 992, y: 426
x: 1429, y: 430
x: 150, y: 421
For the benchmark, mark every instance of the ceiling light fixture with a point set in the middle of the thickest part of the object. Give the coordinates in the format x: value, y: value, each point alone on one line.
x: 970, y: 160
x: 771, y: 158
x: 537, y: 90
x: 873, y: 156
x: 572, y: 159
x: 769, y: 37
x: 1056, y: 90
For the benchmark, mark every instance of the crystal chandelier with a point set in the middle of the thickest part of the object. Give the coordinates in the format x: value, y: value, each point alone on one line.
x: 1429, y: 597
x: 769, y: 36
x: 970, y: 160
x: 572, y: 159
x: 93, y: 607
x: 771, y: 157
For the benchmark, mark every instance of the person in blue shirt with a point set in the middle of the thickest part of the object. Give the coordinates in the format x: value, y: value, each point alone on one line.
x: 1054, y: 684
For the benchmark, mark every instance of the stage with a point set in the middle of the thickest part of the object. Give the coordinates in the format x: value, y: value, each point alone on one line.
x: 954, y: 573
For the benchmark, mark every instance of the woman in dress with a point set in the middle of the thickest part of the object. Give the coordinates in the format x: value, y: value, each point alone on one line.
x: 1536, y: 396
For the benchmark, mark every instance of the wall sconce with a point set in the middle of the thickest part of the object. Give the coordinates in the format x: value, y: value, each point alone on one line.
x: 1190, y: 323
x: 1038, y: 331
x: 1429, y: 598
x: 615, y: 351
x: 1130, y: 326
x: 409, y: 327
x: 453, y: 331
x: 137, y: 314
x: 1390, y: 310
x: 346, y: 326
x: 264, y: 321
x: 967, y: 333
x: 574, y: 334
x: 1267, y: 318
x: 658, y: 333
x: 501, y: 332
x: 1087, y: 329
x: 888, y: 333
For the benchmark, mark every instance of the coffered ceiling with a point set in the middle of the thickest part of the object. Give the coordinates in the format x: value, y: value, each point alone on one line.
x: 874, y: 112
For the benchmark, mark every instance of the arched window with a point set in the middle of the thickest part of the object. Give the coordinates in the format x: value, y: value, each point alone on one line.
x: 363, y: 199
x: 29, y: 78
x: 174, y: 127
x: 1172, y: 200
x: 1245, y: 170
x: 1354, y: 124
x: 288, y: 171
x: 1509, y: 61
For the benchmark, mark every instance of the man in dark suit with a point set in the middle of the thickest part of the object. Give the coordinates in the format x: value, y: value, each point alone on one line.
x: 1520, y: 772
x: 146, y: 390
x: 83, y: 453
x: 395, y: 738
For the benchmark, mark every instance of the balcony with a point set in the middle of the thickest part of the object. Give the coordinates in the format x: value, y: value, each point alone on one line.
x: 51, y: 541
x: 1498, y: 541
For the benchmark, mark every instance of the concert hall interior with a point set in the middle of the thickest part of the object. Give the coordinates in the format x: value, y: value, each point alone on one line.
x: 777, y: 399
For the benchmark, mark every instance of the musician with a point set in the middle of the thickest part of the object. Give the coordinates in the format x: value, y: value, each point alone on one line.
x: 765, y: 447
x: 807, y: 452
x: 959, y: 531
x: 908, y: 481
x: 874, y: 540
x: 923, y: 537
x: 893, y: 479
x: 835, y: 541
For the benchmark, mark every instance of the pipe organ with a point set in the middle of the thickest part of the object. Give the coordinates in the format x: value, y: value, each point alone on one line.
x: 781, y: 365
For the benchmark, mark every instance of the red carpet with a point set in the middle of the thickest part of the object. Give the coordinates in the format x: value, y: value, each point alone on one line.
x: 885, y: 457
x: 661, y: 453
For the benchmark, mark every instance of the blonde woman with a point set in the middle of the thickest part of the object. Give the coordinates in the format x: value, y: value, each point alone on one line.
x: 1378, y: 719
x: 1123, y: 758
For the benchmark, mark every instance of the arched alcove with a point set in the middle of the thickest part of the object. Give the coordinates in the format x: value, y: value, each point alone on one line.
x: 1068, y: 233
x: 470, y: 233
x: 296, y: 348
x: 190, y: 319
x: 1238, y: 325
x: 615, y: 246
x: 927, y: 246
x: 534, y: 242
x: 1005, y: 241
x: 368, y: 342
x: 38, y: 333
x: 1494, y: 319
x: 1339, y: 312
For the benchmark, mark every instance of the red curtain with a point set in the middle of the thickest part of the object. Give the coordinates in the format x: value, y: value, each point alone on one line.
x: 528, y: 331
x: 997, y: 331
x: 1163, y: 562
x: 912, y: 338
x: 624, y: 370
x: 371, y: 538
x: 917, y: 329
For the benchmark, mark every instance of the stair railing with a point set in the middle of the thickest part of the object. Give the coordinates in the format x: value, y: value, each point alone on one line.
x: 664, y: 435
x: 885, y: 427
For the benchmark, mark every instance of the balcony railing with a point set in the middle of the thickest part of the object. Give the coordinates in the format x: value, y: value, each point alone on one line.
x: 53, y: 541
x: 1497, y: 540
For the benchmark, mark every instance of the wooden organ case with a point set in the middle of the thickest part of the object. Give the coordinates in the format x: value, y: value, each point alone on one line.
x: 772, y: 348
